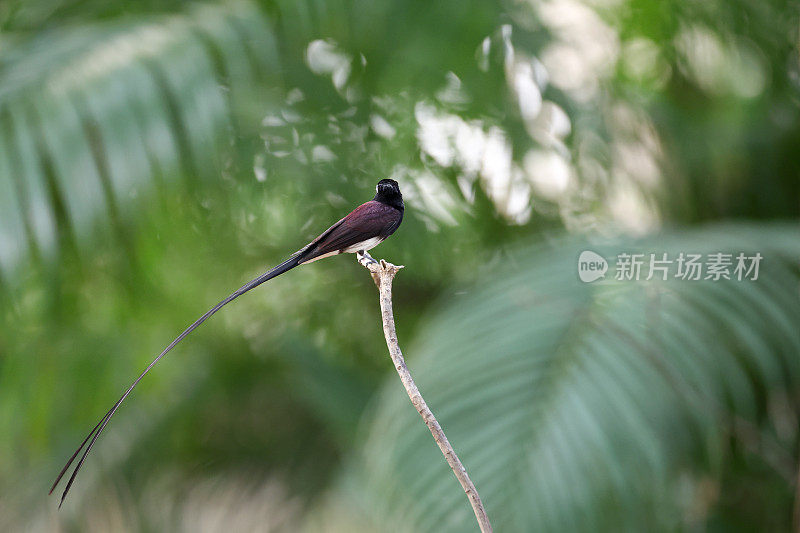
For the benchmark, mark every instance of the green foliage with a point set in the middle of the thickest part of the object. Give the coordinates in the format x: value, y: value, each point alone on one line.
x: 156, y: 155
x: 607, y: 406
x: 95, y: 116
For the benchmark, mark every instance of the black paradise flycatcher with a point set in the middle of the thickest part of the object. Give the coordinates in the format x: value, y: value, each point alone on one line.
x: 362, y: 229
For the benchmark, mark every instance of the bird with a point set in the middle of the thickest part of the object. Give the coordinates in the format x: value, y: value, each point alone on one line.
x: 362, y: 229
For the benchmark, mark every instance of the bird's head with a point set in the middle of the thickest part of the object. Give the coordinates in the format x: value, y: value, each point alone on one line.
x: 388, y: 192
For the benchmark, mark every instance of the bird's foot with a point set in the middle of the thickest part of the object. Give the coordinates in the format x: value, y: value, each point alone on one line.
x: 365, y: 259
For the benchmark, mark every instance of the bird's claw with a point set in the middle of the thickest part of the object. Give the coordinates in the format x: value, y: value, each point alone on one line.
x: 365, y: 259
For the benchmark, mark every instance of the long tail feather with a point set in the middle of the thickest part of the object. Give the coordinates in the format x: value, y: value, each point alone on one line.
x: 74, y: 455
x: 91, y: 438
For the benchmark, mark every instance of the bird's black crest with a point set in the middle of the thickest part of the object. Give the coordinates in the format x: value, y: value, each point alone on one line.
x: 388, y: 192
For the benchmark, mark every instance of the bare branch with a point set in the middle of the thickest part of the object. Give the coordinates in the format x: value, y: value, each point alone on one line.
x: 383, y: 274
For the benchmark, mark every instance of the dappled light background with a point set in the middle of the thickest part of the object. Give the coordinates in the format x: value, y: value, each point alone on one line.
x: 154, y: 157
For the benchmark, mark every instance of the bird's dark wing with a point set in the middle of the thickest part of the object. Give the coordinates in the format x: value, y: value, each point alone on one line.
x: 369, y: 220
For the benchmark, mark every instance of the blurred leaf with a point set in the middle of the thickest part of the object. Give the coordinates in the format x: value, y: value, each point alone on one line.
x: 95, y: 116
x: 604, y: 406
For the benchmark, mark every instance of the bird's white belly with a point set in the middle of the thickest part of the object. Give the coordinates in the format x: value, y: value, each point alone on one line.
x: 369, y: 244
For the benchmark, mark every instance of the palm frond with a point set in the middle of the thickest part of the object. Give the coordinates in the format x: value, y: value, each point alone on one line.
x: 580, y: 406
x: 94, y: 116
